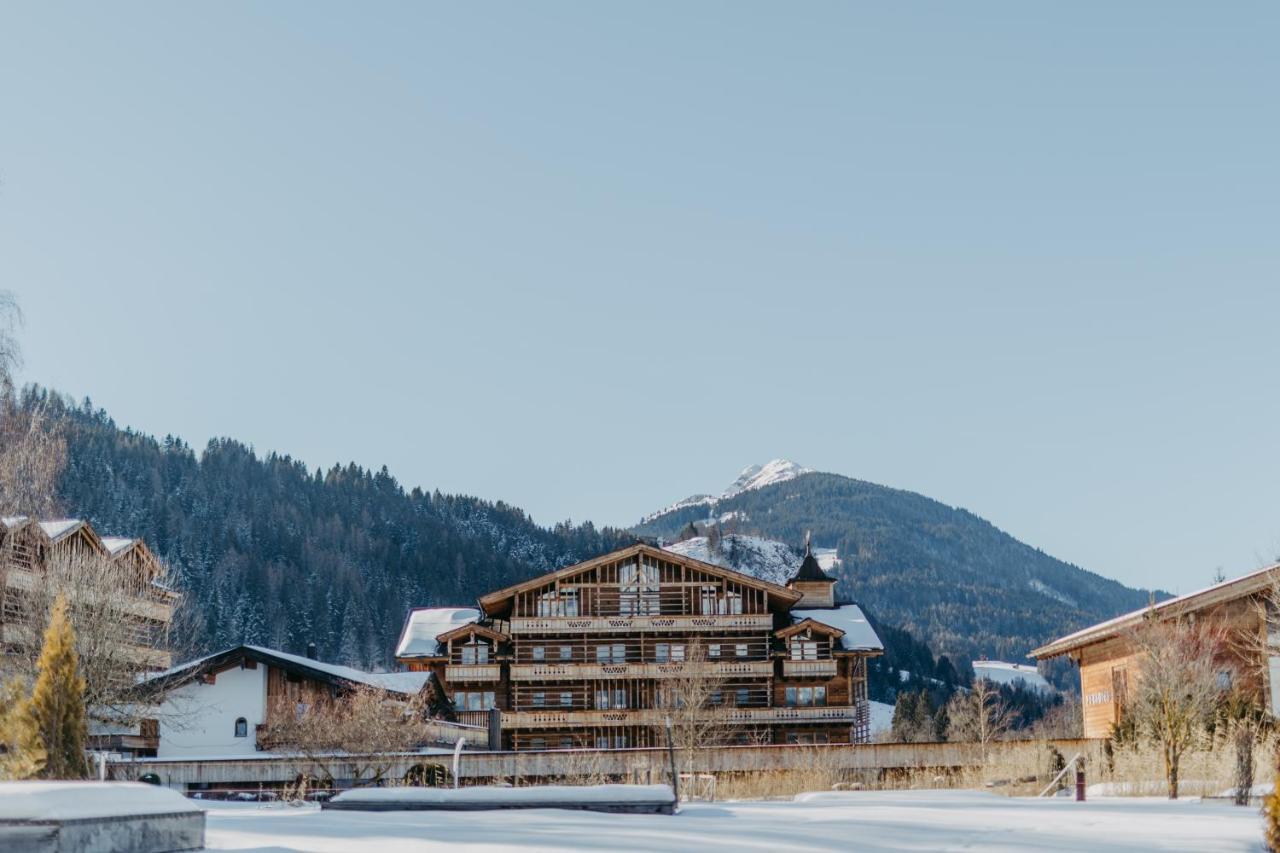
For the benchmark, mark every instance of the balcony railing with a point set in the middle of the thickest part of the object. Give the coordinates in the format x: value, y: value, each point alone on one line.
x: 656, y: 716
x: 625, y: 624
x: 473, y: 672
x: 577, y: 671
x: 808, y: 668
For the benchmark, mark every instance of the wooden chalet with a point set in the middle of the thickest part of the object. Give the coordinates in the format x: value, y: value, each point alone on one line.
x: 1109, y: 663
x: 595, y: 655
x: 26, y: 547
x: 224, y: 704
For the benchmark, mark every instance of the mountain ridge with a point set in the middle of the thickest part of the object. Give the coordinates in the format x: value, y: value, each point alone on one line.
x: 944, y: 573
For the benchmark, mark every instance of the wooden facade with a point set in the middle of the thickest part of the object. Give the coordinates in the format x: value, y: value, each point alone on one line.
x: 1109, y: 664
x: 596, y: 655
x: 26, y: 546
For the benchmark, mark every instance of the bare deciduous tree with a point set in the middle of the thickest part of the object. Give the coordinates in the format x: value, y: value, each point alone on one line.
x: 32, y: 451
x: 1177, y: 686
x: 115, y: 638
x: 979, y: 715
x: 695, y: 701
x: 362, y: 731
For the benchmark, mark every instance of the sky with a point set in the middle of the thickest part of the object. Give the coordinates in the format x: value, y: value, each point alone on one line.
x: 592, y: 258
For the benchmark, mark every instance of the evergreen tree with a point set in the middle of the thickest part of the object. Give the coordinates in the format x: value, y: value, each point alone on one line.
x: 21, y: 753
x: 56, y: 707
x: 905, y: 717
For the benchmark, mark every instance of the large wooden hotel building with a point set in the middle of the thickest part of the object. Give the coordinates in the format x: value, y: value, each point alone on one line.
x: 597, y: 654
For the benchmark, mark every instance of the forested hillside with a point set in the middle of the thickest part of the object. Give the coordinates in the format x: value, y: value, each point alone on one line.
x: 269, y: 552
x: 946, y: 575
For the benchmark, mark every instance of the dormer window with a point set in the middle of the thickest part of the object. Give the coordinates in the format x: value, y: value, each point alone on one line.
x: 475, y: 653
x: 804, y: 648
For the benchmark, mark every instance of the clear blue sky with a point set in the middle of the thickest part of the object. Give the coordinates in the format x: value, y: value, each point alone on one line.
x: 592, y: 258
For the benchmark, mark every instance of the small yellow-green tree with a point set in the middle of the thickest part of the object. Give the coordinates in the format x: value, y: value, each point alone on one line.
x: 56, y: 707
x: 21, y: 753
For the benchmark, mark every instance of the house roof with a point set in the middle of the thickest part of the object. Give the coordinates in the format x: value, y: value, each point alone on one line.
x: 1240, y: 587
x: 858, y: 635
x: 424, y: 624
x: 496, y: 602
x: 408, y: 683
x: 809, y: 569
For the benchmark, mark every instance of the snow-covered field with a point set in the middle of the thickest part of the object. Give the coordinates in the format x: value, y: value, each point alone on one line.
x: 855, y: 821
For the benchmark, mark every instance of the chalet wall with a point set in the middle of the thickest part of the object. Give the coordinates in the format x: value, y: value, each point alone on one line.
x: 1109, y: 668
x: 198, y: 719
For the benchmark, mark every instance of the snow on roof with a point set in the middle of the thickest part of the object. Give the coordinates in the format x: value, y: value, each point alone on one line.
x: 14, y: 520
x: 1002, y: 672
x: 46, y: 801
x: 426, y: 623
x: 57, y: 529
x: 1241, y: 586
x: 116, y: 544
x: 858, y: 633
x: 396, y: 682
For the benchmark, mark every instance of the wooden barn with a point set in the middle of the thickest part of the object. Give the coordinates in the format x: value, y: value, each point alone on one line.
x: 1108, y: 661
x: 600, y: 653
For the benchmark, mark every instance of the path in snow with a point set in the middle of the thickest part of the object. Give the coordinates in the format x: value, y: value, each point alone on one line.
x: 858, y: 821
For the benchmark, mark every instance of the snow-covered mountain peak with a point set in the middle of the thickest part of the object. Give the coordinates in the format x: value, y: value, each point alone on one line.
x: 759, y: 476
x: 751, y: 477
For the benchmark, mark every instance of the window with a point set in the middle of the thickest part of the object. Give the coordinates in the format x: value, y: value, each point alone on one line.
x: 742, y: 696
x: 537, y: 743
x: 713, y: 603
x: 615, y: 653
x: 805, y: 696
x: 638, y: 590
x: 563, y: 602
x: 242, y: 727
x: 539, y: 699
x: 539, y: 653
x: 475, y: 700
x: 566, y: 742
x: 566, y: 699
x: 740, y: 649
x: 566, y: 653
x: 473, y: 653
x: 668, y: 652
x: 713, y: 650
x: 805, y: 649
x: 717, y: 697
x: 607, y: 699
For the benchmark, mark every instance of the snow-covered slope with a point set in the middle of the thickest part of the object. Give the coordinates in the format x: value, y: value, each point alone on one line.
x: 751, y: 477
x: 765, y: 559
x: 1002, y: 672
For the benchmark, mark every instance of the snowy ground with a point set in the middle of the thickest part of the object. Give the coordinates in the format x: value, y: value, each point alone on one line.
x: 861, y: 821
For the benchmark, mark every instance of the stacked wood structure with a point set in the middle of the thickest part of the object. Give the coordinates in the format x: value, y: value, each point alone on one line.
x: 1109, y: 662
x: 597, y: 655
x: 26, y: 546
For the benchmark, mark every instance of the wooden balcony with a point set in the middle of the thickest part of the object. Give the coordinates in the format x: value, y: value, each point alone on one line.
x: 631, y: 624
x: 656, y: 716
x: 582, y: 671
x: 473, y: 672
x: 808, y: 668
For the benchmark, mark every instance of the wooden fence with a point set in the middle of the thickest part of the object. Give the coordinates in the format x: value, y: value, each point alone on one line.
x: 638, y: 765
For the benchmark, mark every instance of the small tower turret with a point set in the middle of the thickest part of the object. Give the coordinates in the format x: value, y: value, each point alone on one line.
x: 817, y: 587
